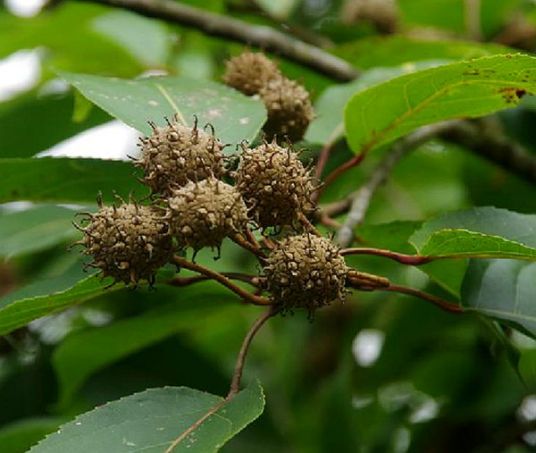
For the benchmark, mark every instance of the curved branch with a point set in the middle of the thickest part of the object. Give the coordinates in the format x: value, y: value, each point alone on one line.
x: 249, y: 244
x: 260, y: 36
x: 186, y: 281
x: 360, y: 200
x: 486, y: 138
x: 245, y: 295
x: 437, y: 301
x: 411, y: 260
x: 241, y: 360
x: 401, y: 146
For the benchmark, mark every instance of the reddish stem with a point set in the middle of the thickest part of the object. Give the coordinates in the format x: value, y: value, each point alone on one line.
x: 248, y: 245
x: 241, y: 359
x: 245, y: 295
x: 412, y: 260
x: 353, y: 162
x: 437, y: 301
x: 323, y: 159
x: 186, y: 281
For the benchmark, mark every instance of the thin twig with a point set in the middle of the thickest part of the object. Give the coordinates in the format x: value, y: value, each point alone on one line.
x: 353, y: 162
x: 359, y: 201
x: 300, y: 32
x: 268, y: 243
x: 323, y: 159
x: 260, y: 36
x: 307, y: 224
x: 364, y: 281
x: 412, y: 260
x: 246, y: 244
x: 362, y: 198
x: 437, y: 301
x: 186, y: 281
x: 251, y: 238
x: 328, y: 221
x: 371, y: 282
x: 245, y: 295
x: 234, y: 388
x: 483, y: 137
x: 335, y: 208
x: 486, y: 138
x: 241, y: 359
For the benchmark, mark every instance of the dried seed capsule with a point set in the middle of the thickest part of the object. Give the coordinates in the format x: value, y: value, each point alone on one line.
x: 129, y: 242
x: 175, y: 154
x: 249, y: 72
x: 275, y: 185
x: 305, y: 271
x: 289, y: 109
x: 202, y: 214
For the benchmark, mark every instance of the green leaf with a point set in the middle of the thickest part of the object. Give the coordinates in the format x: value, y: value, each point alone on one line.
x: 66, y: 180
x: 466, y: 89
x: 504, y: 290
x: 48, y: 296
x: 153, y: 420
x: 83, y: 353
x: 328, y: 125
x: 393, y: 235
x: 35, y: 229
x: 527, y: 368
x: 478, y: 232
x: 234, y: 116
x: 448, y: 274
x: 51, y: 122
x: 396, y: 49
x: 19, y: 436
x: 63, y: 33
x: 146, y: 39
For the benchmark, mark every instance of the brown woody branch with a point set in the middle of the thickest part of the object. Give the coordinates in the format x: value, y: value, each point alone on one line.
x: 260, y: 36
x: 249, y: 244
x: 187, y: 281
x: 437, y: 301
x: 241, y: 360
x: 486, y: 139
x: 370, y: 282
x: 358, y: 202
x: 483, y: 137
x: 220, y: 278
x: 411, y: 260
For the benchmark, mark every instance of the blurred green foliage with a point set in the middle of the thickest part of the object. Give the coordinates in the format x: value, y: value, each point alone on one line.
x: 381, y: 373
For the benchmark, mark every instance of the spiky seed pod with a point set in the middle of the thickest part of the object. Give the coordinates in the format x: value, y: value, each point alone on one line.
x: 249, y: 72
x: 383, y: 14
x: 289, y: 109
x: 305, y: 271
x: 175, y: 154
x: 202, y: 214
x: 275, y: 185
x: 128, y: 242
